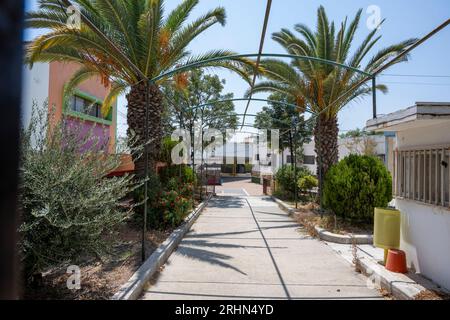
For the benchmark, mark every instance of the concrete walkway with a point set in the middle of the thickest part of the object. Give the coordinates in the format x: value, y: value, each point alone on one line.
x: 244, y: 247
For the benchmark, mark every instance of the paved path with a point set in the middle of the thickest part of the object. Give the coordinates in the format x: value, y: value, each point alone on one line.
x: 244, y: 247
x: 239, y: 186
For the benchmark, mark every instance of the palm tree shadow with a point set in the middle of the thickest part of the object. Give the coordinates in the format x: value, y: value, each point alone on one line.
x: 205, y: 243
x: 192, y: 249
x: 213, y: 258
x: 226, y: 202
x: 217, y: 235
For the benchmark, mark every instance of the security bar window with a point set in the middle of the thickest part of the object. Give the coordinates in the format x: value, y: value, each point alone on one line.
x: 423, y: 175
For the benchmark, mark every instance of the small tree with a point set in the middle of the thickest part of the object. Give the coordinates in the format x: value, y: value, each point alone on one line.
x: 279, y: 116
x: 68, y: 202
x: 306, y: 183
x: 355, y: 186
x: 286, y: 180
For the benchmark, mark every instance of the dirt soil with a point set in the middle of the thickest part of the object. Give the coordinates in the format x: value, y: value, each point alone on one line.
x: 309, y: 216
x: 432, y: 295
x: 100, y: 279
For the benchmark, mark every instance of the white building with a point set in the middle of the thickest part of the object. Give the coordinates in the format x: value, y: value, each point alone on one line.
x: 380, y: 144
x: 421, y: 164
x: 347, y: 146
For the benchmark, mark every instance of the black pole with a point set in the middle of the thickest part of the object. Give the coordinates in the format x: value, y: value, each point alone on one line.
x: 374, y: 97
x: 144, y: 225
x: 319, y: 164
x: 295, y: 162
x: 11, y: 53
x: 202, y: 161
x: 193, y: 161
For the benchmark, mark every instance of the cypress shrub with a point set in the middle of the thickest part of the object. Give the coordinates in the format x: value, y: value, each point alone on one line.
x: 355, y: 186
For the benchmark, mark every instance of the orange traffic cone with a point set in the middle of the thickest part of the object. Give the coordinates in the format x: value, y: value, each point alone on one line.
x: 396, y: 261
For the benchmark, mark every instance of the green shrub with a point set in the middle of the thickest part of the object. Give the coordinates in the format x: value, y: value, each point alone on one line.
x: 68, y: 203
x: 166, y: 150
x: 307, y: 183
x: 184, y: 173
x: 285, y: 177
x: 174, y: 208
x: 256, y: 180
x: 356, y: 185
x: 155, y: 218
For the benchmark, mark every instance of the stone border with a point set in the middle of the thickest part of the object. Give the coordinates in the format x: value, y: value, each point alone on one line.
x: 132, y: 289
x: 284, y: 206
x: 326, y: 235
x: 344, y: 239
x: 399, y: 285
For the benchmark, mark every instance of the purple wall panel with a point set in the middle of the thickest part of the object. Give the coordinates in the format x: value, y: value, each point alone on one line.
x: 99, y: 133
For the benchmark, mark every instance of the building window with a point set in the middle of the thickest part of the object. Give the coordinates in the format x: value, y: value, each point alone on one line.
x: 309, y: 159
x: 85, y: 106
x: 423, y: 175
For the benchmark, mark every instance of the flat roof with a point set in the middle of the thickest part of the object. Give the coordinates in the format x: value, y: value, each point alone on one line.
x: 422, y: 114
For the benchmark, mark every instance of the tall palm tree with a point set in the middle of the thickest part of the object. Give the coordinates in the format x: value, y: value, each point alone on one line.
x: 142, y: 35
x: 325, y: 88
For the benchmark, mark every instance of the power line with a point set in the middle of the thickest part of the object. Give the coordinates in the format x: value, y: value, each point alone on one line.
x: 417, y: 83
x: 414, y: 75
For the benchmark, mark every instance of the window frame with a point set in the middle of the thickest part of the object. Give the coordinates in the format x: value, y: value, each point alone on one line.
x: 67, y: 110
x: 419, y: 175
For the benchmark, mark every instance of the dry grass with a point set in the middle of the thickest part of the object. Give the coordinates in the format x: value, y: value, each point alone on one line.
x: 100, y: 279
x: 308, y: 215
x: 432, y: 295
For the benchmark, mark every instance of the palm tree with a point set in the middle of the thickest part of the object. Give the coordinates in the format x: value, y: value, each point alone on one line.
x: 325, y: 88
x: 139, y: 33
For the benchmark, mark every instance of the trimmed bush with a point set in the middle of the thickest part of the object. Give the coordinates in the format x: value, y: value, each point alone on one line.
x: 307, y: 182
x: 356, y: 185
x: 285, y: 178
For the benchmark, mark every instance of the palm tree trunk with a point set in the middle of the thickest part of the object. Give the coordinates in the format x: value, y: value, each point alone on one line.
x: 136, y: 122
x: 326, y: 144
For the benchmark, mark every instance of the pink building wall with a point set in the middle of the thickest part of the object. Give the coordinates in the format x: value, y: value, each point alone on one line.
x: 59, y: 74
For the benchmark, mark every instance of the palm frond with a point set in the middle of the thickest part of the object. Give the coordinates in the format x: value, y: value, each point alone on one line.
x: 179, y: 15
x: 82, y: 74
x: 117, y: 88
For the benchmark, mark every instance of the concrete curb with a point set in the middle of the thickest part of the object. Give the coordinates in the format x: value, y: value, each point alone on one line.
x: 284, y: 206
x: 326, y: 235
x: 135, y: 285
x: 399, y: 285
x: 344, y: 239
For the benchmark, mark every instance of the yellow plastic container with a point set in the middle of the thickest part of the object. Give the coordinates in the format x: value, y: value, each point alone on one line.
x: 386, y: 233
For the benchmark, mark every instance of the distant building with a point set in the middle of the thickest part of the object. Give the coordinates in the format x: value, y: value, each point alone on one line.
x: 420, y: 157
x: 359, y: 145
x: 379, y: 145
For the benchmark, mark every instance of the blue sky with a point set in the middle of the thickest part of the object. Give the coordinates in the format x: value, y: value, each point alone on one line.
x: 404, y: 19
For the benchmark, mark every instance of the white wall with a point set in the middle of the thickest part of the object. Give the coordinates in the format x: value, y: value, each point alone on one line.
x: 35, y: 85
x: 438, y: 134
x: 308, y: 149
x: 425, y: 228
x: 425, y: 237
